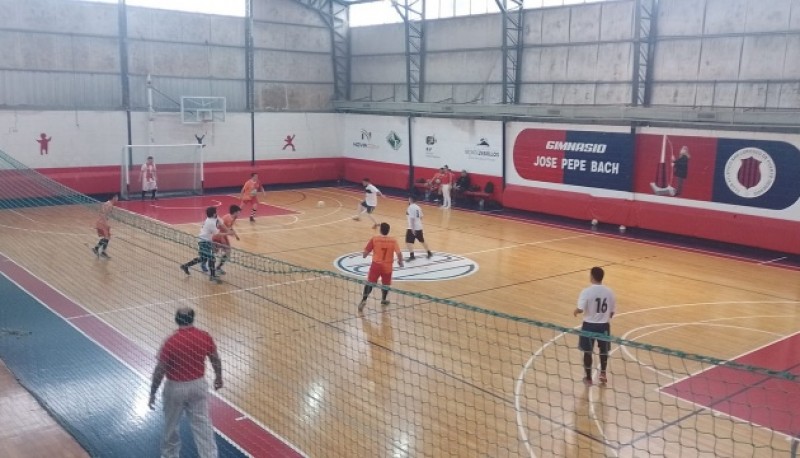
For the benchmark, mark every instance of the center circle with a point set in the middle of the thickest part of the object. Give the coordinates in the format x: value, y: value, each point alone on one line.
x: 441, y: 266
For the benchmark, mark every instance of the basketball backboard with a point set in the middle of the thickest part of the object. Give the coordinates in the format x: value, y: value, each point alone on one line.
x: 195, y: 110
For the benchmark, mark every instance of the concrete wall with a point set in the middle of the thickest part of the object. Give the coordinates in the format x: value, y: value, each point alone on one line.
x: 66, y: 55
x: 709, y: 53
x: 728, y: 53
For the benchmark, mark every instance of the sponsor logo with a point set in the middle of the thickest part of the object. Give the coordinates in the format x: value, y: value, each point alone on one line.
x: 483, y: 151
x: 442, y: 266
x: 394, y: 140
x: 750, y: 172
x: 430, y: 140
x: 576, y: 146
x: 366, y: 140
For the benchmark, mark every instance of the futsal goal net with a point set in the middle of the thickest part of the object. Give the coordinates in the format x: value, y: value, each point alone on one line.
x: 175, y: 170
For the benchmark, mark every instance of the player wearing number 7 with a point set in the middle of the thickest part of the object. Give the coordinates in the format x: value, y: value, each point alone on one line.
x: 383, y: 249
x: 598, y: 305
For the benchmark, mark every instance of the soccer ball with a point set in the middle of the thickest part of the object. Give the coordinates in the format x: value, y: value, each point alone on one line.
x: 321, y: 203
x: 594, y: 222
x: 622, y: 228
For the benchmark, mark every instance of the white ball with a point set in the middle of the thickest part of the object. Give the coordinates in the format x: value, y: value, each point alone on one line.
x: 594, y: 222
x: 622, y: 228
x: 321, y: 203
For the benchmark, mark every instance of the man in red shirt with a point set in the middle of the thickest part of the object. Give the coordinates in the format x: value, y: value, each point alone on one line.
x: 182, y: 360
x: 383, y: 249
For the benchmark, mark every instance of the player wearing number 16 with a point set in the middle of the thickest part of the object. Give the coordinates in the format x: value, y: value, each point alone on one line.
x: 598, y: 305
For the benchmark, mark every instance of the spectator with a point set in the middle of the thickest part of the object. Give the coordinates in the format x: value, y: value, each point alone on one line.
x: 462, y: 185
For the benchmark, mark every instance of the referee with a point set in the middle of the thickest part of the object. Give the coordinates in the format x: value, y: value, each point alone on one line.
x: 598, y: 305
x: 182, y: 360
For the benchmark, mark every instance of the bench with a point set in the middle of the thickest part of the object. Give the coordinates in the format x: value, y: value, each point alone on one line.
x: 481, y: 196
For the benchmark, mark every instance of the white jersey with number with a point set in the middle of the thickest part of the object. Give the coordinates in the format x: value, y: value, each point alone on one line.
x: 598, y: 304
x: 209, y: 229
x: 371, y: 195
x: 414, y: 214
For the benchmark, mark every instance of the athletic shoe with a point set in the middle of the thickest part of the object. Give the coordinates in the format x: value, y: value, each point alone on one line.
x: 185, y: 269
x: 362, y: 304
x: 603, y: 379
x: 430, y: 254
x: 204, y: 268
x: 104, y: 255
x: 411, y: 258
x: 220, y: 271
x: 96, y: 252
x: 214, y: 278
x: 356, y: 218
x: 252, y: 219
x: 384, y: 302
x: 587, y: 381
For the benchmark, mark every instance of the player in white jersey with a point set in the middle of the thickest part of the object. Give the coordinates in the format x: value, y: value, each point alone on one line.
x: 414, y: 232
x: 211, y: 227
x: 369, y: 203
x: 598, y: 305
x: 147, y: 175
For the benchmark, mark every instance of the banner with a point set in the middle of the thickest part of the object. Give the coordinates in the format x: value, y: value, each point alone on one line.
x: 461, y: 144
x: 761, y: 174
x: 376, y: 138
x: 592, y: 159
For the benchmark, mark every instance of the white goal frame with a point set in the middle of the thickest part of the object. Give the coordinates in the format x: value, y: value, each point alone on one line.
x: 130, y: 164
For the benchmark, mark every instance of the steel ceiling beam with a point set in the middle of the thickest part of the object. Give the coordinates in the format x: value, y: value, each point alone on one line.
x: 513, y: 27
x: 645, y: 33
x: 413, y: 14
x: 335, y: 15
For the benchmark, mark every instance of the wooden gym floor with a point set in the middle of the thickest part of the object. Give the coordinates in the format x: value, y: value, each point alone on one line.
x: 667, y: 296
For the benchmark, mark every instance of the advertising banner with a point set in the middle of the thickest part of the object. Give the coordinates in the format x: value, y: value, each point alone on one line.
x: 376, y: 138
x: 753, y: 173
x: 590, y: 159
x: 461, y: 144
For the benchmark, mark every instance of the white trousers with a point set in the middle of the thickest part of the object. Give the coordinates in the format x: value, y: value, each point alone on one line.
x: 191, y: 397
x: 446, y: 195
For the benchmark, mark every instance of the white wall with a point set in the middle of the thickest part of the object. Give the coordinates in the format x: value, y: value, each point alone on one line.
x: 367, y: 137
x: 461, y: 144
x: 79, y: 138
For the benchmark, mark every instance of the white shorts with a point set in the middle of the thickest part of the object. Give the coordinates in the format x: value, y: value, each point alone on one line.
x: 149, y: 185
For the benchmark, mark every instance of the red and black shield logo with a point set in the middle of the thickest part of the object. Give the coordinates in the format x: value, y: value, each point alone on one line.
x: 749, y: 174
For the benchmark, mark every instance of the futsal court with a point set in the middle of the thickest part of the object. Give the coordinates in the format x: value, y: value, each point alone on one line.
x: 476, y: 355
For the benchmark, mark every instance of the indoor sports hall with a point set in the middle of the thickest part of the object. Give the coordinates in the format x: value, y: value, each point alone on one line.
x: 655, y: 139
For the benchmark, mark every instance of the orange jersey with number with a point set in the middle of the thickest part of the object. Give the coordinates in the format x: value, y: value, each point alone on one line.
x: 250, y: 189
x: 383, y: 250
x: 227, y: 221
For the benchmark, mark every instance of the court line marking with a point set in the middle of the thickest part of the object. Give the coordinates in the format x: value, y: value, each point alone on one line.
x: 113, y: 355
x: 216, y: 203
x: 522, y: 428
x: 24, y: 216
x: 710, y: 253
x: 194, y: 298
x: 773, y: 260
x: 703, y: 407
x: 141, y: 375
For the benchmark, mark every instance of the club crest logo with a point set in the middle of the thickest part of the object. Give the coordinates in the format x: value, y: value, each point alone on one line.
x: 442, y: 266
x: 750, y: 172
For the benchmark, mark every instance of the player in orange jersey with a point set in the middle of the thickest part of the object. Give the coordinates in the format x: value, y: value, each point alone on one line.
x: 250, y: 195
x: 383, y: 249
x: 221, y: 240
x: 103, y: 228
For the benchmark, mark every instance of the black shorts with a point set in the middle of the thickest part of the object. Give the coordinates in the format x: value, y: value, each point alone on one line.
x: 412, y: 235
x: 369, y: 208
x: 586, y: 343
